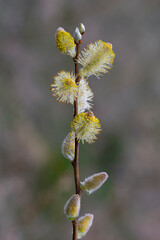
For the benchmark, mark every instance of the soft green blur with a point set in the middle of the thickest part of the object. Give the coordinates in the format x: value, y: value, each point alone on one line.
x: 35, y: 179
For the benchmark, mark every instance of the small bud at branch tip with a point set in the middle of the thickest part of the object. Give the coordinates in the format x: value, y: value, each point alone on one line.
x: 77, y: 36
x: 82, y: 28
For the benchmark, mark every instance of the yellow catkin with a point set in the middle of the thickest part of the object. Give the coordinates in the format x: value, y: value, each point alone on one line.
x: 86, y: 126
x: 65, y: 42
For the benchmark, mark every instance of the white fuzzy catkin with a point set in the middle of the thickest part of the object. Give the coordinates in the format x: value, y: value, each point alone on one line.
x: 68, y: 146
x: 84, y: 224
x: 64, y: 88
x: 72, y: 207
x: 94, y: 182
x: 96, y: 59
x: 85, y: 96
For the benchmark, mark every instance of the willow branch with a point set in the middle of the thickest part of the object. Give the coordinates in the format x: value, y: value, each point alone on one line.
x: 76, y: 159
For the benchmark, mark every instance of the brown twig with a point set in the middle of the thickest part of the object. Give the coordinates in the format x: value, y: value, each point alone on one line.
x: 76, y: 159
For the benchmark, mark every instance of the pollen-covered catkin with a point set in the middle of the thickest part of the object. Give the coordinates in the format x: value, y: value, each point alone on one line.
x: 96, y: 59
x: 64, y: 88
x: 86, y: 126
x: 65, y: 42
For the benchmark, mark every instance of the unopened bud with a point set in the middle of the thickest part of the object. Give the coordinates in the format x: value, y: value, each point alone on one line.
x: 72, y: 207
x: 94, y: 182
x: 68, y: 146
x: 77, y: 35
x: 84, y: 225
x: 82, y: 28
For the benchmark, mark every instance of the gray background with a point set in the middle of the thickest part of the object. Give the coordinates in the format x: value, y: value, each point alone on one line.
x: 35, y: 179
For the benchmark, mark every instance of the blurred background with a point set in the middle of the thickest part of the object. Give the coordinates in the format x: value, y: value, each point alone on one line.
x: 35, y: 179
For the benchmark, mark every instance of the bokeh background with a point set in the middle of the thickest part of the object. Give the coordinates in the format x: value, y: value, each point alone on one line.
x: 35, y: 179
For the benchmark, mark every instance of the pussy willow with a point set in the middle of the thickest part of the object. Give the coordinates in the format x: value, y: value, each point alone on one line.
x: 73, y: 88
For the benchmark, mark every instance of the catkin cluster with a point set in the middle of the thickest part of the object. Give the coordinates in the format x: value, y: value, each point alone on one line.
x: 96, y: 60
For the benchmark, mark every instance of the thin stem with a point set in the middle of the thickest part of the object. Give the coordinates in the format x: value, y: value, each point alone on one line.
x: 75, y: 229
x: 76, y: 159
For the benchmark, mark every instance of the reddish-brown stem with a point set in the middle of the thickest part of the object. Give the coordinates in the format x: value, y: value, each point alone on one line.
x: 76, y: 159
x: 75, y: 229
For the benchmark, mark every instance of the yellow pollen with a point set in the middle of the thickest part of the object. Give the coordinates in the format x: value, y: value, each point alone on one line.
x: 106, y: 45
x: 69, y: 82
x: 64, y: 41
